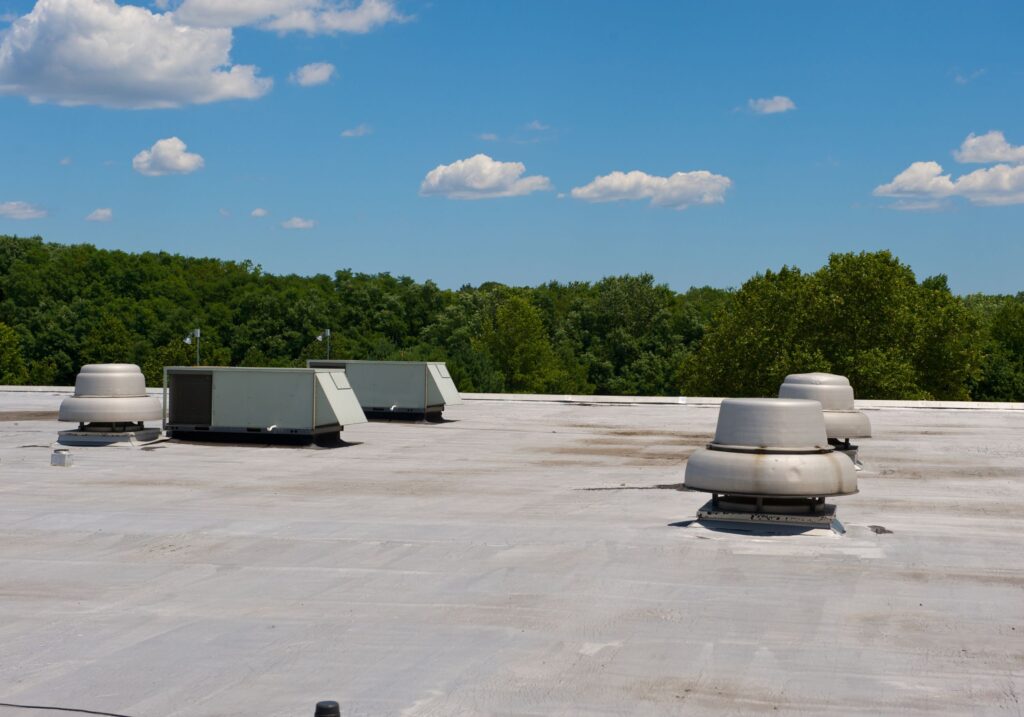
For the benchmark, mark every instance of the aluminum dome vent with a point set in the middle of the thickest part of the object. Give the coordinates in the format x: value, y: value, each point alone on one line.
x: 770, y: 460
x: 842, y: 420
x: 110, y: 404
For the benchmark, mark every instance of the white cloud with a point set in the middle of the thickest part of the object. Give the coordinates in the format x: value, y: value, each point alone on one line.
x: 1001, y: 184
x: 100, y: 215
x: 922, y: 184
x: 480, y: 177
x: 298, y: 223
x: 258, y: 212
x: 65, y: 161
x: 677, y: 191
x: 234, y: 13
x: 76, y: 52
x: 917, y: 205
x: 360, y: 131
x: 488, y: 137
x: 771, y: 105
x: 310, y: 16
x: 21, y: 210
x: 989, y: 147
x: 919, y: 179
x: 224, y: 212
x: 166, y: 156
x: 315, y: 73
x: 537, y: 126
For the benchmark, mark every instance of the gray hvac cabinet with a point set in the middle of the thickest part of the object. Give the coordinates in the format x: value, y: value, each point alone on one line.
x: 398, y: 389
x: 295, y: 403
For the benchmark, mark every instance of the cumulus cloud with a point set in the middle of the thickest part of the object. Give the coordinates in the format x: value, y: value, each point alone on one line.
x: 65, y: 161
x: 919, y: 179
x: 537, y: 126
x: 77, y: 52
x: 1001, y: 184
x: 987, y: 148
x: 310, y: 16
x: 677, y: 191
x: 166, y: 156
x: 771, y: 105
x: 21, y: 210
x: 923, y: 184
x: 488, y: 137
x: 298, y: 223
x: 315, y: 73
x: 480, y: 177
x: 100, y: 215
x: 258, y: 212
x: 359, y: 131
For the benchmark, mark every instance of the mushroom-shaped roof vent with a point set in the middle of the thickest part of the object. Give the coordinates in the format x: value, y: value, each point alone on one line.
x: 770, y: 447
x: 770, y: 423
x: 835, y: 394
x: 110, y: 393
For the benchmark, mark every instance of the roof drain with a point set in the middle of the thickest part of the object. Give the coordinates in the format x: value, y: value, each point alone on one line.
x: 770, y: 463
x: 110, y: 405
x: 842, y: 420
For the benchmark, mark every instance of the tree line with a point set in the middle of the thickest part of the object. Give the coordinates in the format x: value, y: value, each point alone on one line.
x: 862, y: 315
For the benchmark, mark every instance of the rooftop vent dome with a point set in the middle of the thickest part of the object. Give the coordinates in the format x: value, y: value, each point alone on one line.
x: 770, y: 460
x: 110, y: 403
x: 842, y: 420
x: 835, y: 394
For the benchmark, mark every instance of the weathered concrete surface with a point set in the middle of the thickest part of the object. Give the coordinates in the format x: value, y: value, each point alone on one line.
x: 520, y: 559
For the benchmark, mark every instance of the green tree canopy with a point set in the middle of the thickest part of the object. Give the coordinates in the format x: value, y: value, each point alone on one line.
x: 864, y: 315
x: 13, y: 371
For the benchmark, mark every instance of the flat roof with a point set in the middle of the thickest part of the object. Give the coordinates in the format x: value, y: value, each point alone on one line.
x: 523, y: 557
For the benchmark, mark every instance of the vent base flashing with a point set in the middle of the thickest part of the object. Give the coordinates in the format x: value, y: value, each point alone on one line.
x: 756, y: 512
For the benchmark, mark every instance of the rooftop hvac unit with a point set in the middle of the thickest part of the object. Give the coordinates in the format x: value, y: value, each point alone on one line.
x: 110, y: 405
x: 842, y: 420
x: 770, y: 462
x: 398, y: 389
x: 296, y: 403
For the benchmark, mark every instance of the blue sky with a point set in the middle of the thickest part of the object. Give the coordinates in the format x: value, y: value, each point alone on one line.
x: 896, y: 125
